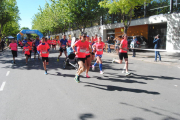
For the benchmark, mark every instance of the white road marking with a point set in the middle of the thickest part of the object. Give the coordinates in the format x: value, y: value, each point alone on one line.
x: 7, y: 73
x: 2, y: 86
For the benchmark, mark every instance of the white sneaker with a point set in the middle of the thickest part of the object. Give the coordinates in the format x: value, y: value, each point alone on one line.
x: 113, y: 60
x: 101, y: 72
x: 127, y: 73
x: 93, y: 67
x: 123, y: 71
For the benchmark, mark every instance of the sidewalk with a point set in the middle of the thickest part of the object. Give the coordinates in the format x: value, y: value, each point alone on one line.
x: 166, y: 57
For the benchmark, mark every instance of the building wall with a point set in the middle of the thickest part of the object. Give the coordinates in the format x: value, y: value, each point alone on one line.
x: 134, y: 31
x: 139, y: 26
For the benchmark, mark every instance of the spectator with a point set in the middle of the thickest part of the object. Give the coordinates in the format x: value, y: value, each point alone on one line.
x: 109, y: 45
x: 157, y: 42
x: 134, y: 45
x: 2, y: 45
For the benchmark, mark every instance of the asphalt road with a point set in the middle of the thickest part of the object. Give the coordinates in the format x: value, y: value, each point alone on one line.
x: 26, y: 93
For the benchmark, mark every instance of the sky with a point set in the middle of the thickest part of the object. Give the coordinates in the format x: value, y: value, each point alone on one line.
x: 27, y: 9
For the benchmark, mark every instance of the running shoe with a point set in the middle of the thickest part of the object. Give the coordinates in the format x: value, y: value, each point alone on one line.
x: 77, y: 78
x: 101, y: 72
x: 123, y: 71
x: 113, y: 60
x: 87, y: 76
x: 93, y: 67
x: 45, y: 72
x: 127, y: 73
x: 58, y: 60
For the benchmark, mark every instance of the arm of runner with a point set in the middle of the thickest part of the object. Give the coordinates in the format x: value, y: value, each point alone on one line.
x: 73, y: 47
x: 120, y: 46
x: 90, y: 49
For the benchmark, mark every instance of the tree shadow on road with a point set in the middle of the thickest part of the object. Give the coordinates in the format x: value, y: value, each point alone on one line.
x: 86, y: 116
x: 117, y: 88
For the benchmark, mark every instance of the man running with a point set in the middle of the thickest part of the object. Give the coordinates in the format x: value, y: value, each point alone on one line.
x: 123, y: 53
x: 13, y: 47
x: 43, y: 49
x: 26, y: 50
x: 62, y: 43
x: 36, y: 43
x: 98, y: 46
x: 82, y: 46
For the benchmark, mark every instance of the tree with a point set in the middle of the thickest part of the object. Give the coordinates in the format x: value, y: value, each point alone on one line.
x: 125, y: 8
x: 9, y: 15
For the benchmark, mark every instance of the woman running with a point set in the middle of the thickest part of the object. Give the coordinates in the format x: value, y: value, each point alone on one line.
x: 13, y: 47
x: 26, y: 50
x: 30, y: 45
x: 98, y: 46
x: 123, y: 53
x: 82, y: 46
x: 88, y: 57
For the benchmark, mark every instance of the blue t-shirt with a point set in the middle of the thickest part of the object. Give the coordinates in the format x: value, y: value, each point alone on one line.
x: 37, y: 43
x: 63, y: 42
x: 24, y: 42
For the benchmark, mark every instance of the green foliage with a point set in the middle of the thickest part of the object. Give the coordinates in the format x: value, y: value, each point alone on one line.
x: 9, y: 16
x: 123, y: 7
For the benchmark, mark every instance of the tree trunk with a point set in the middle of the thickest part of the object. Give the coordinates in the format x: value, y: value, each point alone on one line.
x: 1, y: 30
x: 125, y: 29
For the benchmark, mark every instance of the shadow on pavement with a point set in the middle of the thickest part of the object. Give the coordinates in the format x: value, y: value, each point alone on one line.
x: 117, y: 88
x: 86, y: 116
x: 151, y: 111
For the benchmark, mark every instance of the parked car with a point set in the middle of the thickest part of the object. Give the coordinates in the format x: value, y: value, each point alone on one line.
x: 141, y: 41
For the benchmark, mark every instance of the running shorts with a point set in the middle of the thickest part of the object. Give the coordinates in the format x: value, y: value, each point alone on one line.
x: 98, y: 55
x: 45, y: 59
x: 27, y: 55
x: 81, y: 59
x: 61, y: 49
x: 123, y: 55
x: 88, y: 56
x: 92, y: 53
x: 54, y: 45
x: 14, y: 53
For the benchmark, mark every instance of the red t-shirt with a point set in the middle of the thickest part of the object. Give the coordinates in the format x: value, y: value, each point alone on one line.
x: 13, y: 46
x: 95, y: 39
x: 69, y: 42
x: 81, y: 48
x: 30, y: 44
x: 124, y: 46
x: 99, y: 48
x: 20, y: 43
x: 54, y: 42
x: 43, y: 50
x: 26, y: 50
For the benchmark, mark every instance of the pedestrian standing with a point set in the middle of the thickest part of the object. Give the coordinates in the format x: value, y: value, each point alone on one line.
x: 2, y: 45
x: 133, y: 45
x: 123, y: 53
x: 157, y: 42
x: 109, y: 45
x: 13, y: 47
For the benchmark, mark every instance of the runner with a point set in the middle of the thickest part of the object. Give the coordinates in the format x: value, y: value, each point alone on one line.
x: 26, y: 50
x: 123, y: 53
x: 98, y: 46
x: 49, y: 43
x: 54, y: 44
x: 95, y: 38
x: 21, y: 44
x: 13, y: 47
x: 30, y: 45
x: 69, y: 43
x: 43, y: 50
x: 92, y: 53
x: 88, y: 57
x: 36, y: 43
x: 82, y: 46
x: 62, y: 44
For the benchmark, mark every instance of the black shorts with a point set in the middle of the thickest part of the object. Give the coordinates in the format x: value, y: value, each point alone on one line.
x: 53, y: 45
x: 88, y: 56
x: 81, y: 59
x: 35, y: 49
x: 45, y: 59
x: 92, y: 53
x: 27, y: 55
x: 61, y: 49
x: 14, y: 53
x: 123, y: 55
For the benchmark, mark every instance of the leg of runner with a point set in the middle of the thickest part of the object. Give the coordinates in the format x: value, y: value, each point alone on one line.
x: 93, y: 66
x: 80, y: 70
x: 44, y: 65
x: 59, y: 56
x: 88, y: 63
x: 100, y: 64
x: 26, y: 59
x: 126, y: 64
x: 14, y: 60
x: 30, y: 54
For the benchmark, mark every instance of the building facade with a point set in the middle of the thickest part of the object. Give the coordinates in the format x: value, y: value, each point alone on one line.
x: 159, y: 17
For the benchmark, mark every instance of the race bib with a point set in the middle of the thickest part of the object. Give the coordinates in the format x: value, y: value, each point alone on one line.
x: 63, y: 46
x: 83, y: 50
x: 87, y: 51
x: 44, y: 52
x: 99, y: 49
x: 26, y: 49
